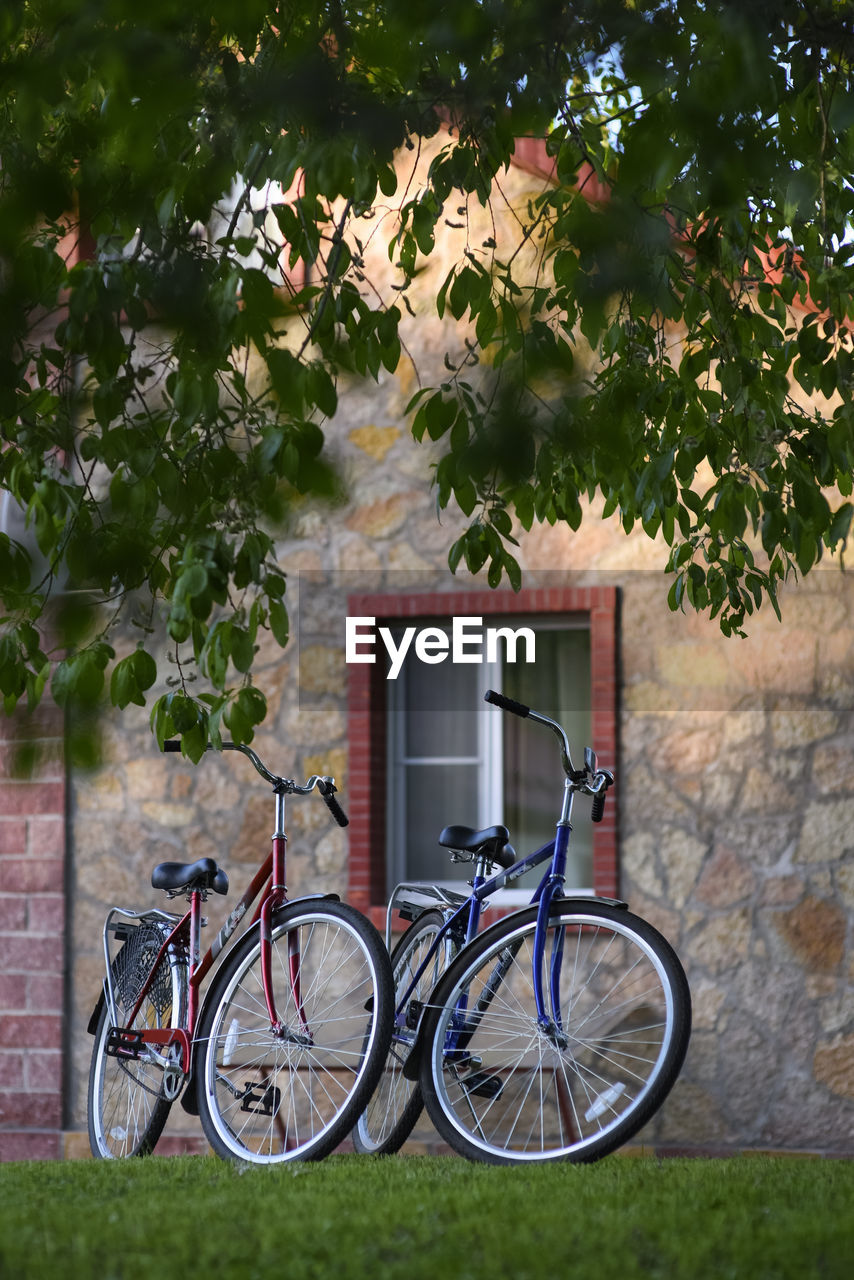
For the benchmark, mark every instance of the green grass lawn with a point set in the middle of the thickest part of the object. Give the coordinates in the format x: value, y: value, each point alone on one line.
x: 420, y: 1216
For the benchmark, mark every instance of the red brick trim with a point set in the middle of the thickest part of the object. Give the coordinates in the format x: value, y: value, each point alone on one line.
x: 32, y: 948
x: 367, y: 728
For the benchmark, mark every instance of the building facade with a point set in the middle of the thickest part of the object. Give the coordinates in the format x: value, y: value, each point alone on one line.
x: 730, y: 829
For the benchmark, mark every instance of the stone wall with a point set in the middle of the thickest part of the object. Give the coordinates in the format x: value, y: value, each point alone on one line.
x: 738, y: 841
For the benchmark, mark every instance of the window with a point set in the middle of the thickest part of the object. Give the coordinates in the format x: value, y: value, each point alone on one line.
x: 414, y: 767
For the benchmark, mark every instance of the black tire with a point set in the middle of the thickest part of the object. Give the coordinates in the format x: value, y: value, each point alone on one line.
x: 127, y: 1106
x: 266, y: 1098
x: 513, y: 1092
x: 396, y: 1104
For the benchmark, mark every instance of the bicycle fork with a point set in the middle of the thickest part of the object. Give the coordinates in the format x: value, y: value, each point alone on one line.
x: 547, y: 999
x: 488, y: 1083
x: 276, y: 898
x: 550, y: 1023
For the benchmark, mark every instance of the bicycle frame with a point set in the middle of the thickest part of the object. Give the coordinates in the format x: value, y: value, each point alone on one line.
x: 469, y: 913
x: 187, y: 932
x: 550, y: 888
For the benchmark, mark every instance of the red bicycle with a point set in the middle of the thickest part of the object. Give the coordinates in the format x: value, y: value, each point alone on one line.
x: 283, y: 1051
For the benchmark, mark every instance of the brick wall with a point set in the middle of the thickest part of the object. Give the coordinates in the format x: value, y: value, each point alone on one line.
x: 32, y: 940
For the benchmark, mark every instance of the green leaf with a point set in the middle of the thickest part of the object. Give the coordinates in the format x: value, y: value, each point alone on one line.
x: 279, y: 624
x: 242, y: 649
x: 184, y: 712
x: 193, y: 581
x: 123, y: 685
x: 466, y: 495
x: 513, y: 571
x: 288, y: 379
x: 676, y: 594
x: 840, y: 525
x: 79, y: 680
x: 194, y: 741
x: 439, y: 415
x: 247, y: 709
x: 320, y: 389
x: 456, y: 553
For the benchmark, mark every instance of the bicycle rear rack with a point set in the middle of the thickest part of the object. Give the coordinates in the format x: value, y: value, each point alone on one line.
x: 121, y: 924
x: 411, y: 900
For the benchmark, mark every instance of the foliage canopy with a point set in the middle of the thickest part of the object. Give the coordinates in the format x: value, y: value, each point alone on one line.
x: 154, y: 161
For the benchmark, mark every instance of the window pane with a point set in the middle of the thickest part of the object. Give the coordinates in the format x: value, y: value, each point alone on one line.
x: 437, y: 795
x: 558, y: 684
x: 441, y: 703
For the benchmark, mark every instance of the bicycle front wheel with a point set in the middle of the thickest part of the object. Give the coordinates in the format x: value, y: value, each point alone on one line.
x: 128, y: 1103
x: 292, y: 1091
x: 503, y: 1086
x: 396, y: 1104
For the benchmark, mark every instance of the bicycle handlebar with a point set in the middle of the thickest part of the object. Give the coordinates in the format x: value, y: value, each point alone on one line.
x: 595, y: 786
x: 519, y: 709
x: 326, y: 787
x: 287, y: 786
x: 507, y: 704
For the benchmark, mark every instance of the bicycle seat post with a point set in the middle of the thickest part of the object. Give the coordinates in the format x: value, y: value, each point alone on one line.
x: 197, y: 898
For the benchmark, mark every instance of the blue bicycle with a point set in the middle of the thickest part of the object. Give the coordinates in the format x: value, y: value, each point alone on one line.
x: 555, y: 1034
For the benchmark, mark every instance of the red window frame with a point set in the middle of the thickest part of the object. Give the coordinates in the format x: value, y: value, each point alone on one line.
x: 367, y: 771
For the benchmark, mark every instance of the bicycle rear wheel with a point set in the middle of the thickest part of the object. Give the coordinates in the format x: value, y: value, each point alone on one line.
x: 268, y: 1094
x: 127, y: 1105
x: 500, y: 1087
x: 396, y: 1104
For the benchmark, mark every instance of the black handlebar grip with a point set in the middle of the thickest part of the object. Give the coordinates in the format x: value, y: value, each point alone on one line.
x: 507, y: 704
x: 172, y: 744
x: 332, y: 804
x: 597, y: 809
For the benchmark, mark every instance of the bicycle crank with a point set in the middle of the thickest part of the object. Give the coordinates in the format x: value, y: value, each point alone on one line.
x: 173, y: 1074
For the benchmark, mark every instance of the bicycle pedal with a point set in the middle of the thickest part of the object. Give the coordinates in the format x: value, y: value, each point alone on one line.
x: 121, y: 1043
x: 482, y: 1085
x: 259, y: 1103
